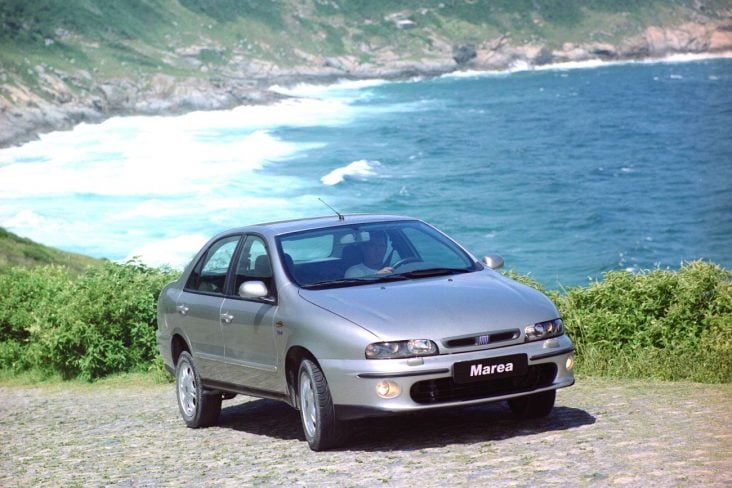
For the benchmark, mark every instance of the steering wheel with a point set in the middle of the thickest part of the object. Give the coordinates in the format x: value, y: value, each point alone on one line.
x: 404, y: 261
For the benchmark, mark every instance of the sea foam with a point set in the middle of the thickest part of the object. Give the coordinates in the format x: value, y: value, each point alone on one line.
x: 342, y: 89
x: 522, y: 66
x: 360, y: 169
x: 128, y: 182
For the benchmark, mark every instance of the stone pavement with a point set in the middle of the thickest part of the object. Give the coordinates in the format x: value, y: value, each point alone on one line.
x: 601, y: 433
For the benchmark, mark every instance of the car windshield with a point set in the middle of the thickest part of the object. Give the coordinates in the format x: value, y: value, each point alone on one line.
x: 356, y: 254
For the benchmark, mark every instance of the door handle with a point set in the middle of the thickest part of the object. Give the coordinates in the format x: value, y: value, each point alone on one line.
x: 182, y: 309
x: 227, y: 318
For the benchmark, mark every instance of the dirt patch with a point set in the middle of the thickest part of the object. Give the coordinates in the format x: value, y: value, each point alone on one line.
x: 605, y: 432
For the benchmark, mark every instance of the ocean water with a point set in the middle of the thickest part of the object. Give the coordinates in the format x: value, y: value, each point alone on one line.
x: 567, y: 172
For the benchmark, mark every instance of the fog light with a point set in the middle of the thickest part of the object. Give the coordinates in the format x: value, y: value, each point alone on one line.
x: 570, y: 362
x: 387, y: 389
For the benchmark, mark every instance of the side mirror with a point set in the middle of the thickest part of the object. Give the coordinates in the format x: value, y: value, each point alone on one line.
x: 253, y: 289
x: 493, y: 261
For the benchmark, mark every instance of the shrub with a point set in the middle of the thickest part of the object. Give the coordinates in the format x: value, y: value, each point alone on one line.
x: 655, y: 324
x: 27, y: 298
x: 107, y: 324
x: 660, y: 324
x: 101, y: 323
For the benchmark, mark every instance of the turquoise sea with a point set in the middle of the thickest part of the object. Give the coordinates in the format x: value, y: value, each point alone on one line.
x: 566, y: 172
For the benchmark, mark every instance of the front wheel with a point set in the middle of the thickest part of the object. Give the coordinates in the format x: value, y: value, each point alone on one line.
x: 533, y: 406
x: 322, y: 429
x: 198, y: 407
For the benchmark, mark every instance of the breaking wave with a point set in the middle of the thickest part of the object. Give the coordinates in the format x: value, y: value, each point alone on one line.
x: 359, y: 170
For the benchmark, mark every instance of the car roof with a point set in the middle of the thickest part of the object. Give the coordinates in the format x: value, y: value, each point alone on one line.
x: 298, y: 225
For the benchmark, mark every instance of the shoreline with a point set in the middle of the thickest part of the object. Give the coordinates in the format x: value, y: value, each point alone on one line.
x: 29, y: 124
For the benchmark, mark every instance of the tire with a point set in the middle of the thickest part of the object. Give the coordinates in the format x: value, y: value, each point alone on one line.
x: 198, y: 407
x: 321, y: 428
x: 533, y: 406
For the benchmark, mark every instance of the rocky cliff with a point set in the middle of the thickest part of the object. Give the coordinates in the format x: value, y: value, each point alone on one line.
x: 59, y: 98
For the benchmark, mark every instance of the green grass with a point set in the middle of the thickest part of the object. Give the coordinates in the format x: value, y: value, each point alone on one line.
x: 19, y: 251
x: 117, y: 380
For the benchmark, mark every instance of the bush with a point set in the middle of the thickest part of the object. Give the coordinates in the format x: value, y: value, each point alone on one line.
x: 101, y: 323
x: 107, y: 324
x: 655, y: 324
x: 27, y: 298
x: 658, y: 324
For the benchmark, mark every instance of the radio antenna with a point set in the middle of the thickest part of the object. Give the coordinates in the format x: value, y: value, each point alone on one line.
x: 340, y: 216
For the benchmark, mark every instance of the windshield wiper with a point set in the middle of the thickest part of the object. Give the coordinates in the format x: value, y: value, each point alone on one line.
x: 425, y: 273
x: 335, y: 283
x: 354, y: 281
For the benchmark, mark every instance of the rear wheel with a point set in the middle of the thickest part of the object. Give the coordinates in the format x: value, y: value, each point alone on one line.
x: 198, y: 407
x: 322, y: 429
x: 533, y: 406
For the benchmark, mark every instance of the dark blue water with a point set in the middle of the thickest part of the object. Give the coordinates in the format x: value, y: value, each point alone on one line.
x: 567, y: 174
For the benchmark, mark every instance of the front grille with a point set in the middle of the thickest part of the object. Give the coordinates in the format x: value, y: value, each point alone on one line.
x: 446, y: 390
x: 482, y: 340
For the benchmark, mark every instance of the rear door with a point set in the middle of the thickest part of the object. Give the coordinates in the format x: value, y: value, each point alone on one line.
x: 199, y: 307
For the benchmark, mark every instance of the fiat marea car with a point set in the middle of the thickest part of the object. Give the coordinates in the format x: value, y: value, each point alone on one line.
x: 354, y: 316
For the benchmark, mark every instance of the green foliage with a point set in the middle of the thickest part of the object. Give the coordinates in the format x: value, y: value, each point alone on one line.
x: 33, y: 21
x: 100, y: 323
x: 268, y: 12
x: 659, y: 324
x: 26, y: 295
x: 78, y: 44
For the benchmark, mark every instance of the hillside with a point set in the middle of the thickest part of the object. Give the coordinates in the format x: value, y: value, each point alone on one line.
x: 19, y: 251
x: 85, y: 60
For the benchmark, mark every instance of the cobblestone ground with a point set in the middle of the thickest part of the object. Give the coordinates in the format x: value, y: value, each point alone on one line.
x: 601, y: 433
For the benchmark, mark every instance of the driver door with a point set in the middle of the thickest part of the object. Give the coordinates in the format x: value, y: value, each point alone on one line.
x: 248, y: 324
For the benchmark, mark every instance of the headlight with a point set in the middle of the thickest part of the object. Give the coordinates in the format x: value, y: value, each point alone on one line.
x: 544, y: 330
x: 401, y: 349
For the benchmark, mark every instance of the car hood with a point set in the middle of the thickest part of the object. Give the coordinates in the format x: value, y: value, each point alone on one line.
x: 434, y: 308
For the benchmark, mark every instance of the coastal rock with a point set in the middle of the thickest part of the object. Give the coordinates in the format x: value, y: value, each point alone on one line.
x: 344, y: 64
x: 63, y: 99
x: 603, y: 50
x: 464, y: 53
x: 117, y: 95
x: 570, y: 53
x: 686, y: 38
x: 721, y: 39
x: 507, y: 56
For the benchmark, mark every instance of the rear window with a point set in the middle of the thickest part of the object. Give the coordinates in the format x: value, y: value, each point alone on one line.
x: 309, y: 247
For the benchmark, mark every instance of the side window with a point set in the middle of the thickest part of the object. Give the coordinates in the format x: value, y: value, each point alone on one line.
x: 312, y: 247
x: 209, y: 274
x: 254, y: 264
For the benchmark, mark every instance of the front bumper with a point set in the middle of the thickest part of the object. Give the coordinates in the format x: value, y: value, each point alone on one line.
x: 428, y: 383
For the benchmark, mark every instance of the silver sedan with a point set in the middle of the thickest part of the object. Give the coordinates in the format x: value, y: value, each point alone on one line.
x: 355, y: 316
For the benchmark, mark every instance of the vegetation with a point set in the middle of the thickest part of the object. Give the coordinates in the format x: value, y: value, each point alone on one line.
x: 87, y: 327
x: 19, y: 251
x: 658, y: 324
x: 45, y: 44
x: 661, y: 324
x: 671, y: 325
